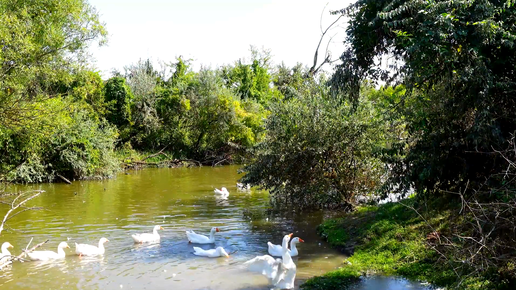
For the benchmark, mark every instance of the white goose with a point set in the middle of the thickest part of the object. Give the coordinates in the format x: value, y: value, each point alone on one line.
x: 243, y: 186
x: 201, y: 239
x: 281, y: 272
x: 223, y: 191
x: 286, y: 272
x: 5, y: 252
x: 148, y: 238
x: 276, y: 250
x: 49, y: 255
x: 213, y: 253
x: 90, y: 250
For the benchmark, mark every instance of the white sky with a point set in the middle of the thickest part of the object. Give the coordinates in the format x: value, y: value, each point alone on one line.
x: 213, y: 32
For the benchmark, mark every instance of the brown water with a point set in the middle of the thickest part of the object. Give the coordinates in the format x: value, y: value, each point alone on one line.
x: 178, y: 200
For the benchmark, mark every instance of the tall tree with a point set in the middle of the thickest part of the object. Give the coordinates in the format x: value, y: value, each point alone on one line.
x: 41, y: 42
x: 458, y: 61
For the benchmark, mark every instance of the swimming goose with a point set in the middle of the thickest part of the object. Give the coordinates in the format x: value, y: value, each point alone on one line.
x: 281, y: 272
x: 148, y: 238
x: 49, y: 255
x: 201, y: 239
x: 5, y: 252
x: 223, y: 191
x: 89, y: 250
x: 213, y: 253
x: 5, y: 255
x: 243, y: 186
x: 275, y: 250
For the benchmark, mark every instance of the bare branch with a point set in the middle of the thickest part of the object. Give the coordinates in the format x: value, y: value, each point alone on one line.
x: 314, y: 69
x: 15, y: 205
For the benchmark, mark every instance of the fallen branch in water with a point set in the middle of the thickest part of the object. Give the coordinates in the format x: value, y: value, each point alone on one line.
x: 64, y: 179
x: 156, y: 154
x: 16, y: 205
x: 164, y: 162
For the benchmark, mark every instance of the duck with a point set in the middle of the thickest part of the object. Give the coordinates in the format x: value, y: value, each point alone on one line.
x: 49, y: 255
x: 90, y: 250
x: 265, y: 265
x: 148, y: 238
x: 280, y: 272
x: 286, y: 272
x: 275, y: 250
x: 213, y: 253
x: 5, y: 255
x: 202, y: 239
x: 5, y: 252
x: 243, y: 186
x: 223, y: 191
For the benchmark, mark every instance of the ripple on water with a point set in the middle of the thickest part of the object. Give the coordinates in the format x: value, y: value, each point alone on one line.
x: 178, y: 200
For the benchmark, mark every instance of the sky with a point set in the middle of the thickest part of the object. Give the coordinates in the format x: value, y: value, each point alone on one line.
x: 213, y: 32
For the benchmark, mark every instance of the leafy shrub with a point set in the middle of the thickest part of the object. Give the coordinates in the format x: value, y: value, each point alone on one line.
x: 318, y: 152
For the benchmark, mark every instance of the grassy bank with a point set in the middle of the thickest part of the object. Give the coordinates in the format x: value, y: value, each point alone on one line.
x: 394, y: 239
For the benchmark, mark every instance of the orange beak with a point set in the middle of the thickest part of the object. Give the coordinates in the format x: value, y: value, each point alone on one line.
x: 161, y: 228
x: 107, y: 240
x: 217, y: 230
x: 290, y: 235
x: 301, y: 240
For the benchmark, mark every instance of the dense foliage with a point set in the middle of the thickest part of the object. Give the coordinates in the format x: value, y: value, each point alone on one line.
x: 48, y: 124
x: 321, y: 151
x: 458, y: 60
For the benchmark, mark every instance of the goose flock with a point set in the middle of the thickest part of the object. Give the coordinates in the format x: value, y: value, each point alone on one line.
x: 280, y: 272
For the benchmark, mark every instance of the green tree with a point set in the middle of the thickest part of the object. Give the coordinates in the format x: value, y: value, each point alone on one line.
x: 119, y: 100
x: 458, y: 61
x: 143, y: 80
x: 251, y: 80
x: 40, y: 41
x: 318, y: 152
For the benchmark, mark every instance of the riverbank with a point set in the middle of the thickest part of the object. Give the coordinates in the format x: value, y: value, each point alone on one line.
x: 400, y: 239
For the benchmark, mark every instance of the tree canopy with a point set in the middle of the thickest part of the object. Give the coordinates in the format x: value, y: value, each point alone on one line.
x: 458, y: 61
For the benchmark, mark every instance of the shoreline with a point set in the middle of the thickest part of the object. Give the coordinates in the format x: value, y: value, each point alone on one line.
x: 393, y: 240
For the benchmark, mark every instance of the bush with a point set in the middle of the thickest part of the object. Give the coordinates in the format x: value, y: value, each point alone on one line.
x: 318, y: 152
x: 78, y: 146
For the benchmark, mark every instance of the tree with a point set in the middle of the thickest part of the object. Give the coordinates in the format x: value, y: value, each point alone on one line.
x: 40, y: 41
x: 251, y: 81
x: 318, y: 152
x: 458, y: 61
x: 119, y: 98
x: 142, y: 79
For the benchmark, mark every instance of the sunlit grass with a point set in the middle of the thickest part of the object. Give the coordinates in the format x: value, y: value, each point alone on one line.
x: 389, y: 239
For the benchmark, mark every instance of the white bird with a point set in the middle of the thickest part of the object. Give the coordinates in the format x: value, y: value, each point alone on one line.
x: 49, y: 255
x: 276, y: 250
x: 148, y: 238
x: 223, y: 191
x: 243, y: 186
x: 213, y: 253
x: 201, y: 239
x: 5, y: 252
x: 90, y: 250
x: 265, y: 265
x: 281, y: 272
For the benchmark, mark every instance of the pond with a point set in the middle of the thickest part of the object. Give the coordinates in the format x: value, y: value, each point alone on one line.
x: 178, y: 199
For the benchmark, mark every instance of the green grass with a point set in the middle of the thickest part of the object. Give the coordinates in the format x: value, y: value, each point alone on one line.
x: 389, y: 239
